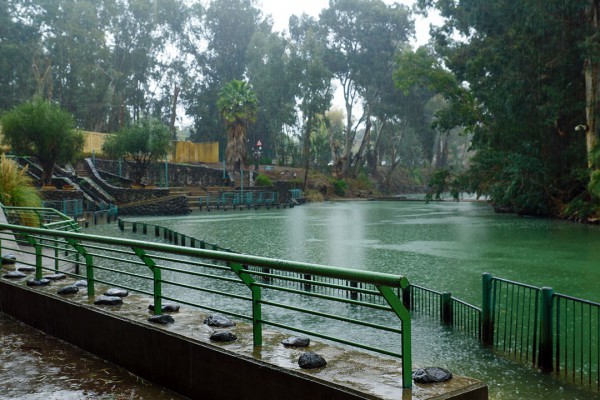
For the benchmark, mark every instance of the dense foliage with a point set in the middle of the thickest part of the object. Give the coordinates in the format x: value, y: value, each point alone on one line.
x: 509, y: 81
x: 140, y: 145
x: 42, y: 129
x: 16, y: 187
x: 522, y: 63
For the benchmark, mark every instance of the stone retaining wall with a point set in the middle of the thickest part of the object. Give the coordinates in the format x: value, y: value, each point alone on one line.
x: 179, y: 174
x: 169, y: 206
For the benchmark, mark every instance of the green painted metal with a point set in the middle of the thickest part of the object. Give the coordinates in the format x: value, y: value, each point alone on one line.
x: 157, y: 278
x: 89, y: 264
x: 487, y: 331
x: 404, y: 316
x: 546, y: 346
x: 238, y: 269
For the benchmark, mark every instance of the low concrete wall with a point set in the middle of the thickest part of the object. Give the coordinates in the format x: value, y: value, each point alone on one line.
x: 194, y: 369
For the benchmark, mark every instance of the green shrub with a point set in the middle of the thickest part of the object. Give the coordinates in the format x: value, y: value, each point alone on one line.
x: 339, y: 187
x: 17, y: 190
x: 263, y: 180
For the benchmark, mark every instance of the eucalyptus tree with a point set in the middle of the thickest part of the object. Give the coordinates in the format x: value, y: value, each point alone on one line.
x: 228, y: 27
x: 522, y: 62
x: 238, y: 107
x: 18, y: 42
x: 362, y: 38
x: 269, y: 70
x: 315, y: 90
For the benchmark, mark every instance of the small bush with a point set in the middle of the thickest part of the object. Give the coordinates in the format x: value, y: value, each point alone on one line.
x: 263, y: 180
x: 17, y: 190
x: 339, y: 187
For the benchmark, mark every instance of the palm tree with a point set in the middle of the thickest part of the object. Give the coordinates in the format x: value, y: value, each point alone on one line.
x: 238, y: 106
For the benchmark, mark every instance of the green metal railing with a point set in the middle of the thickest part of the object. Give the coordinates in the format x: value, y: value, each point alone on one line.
x: 550, y: 331
x: 48, y: 218
x: 260, y: 290
x: 238, y: 199
x: 71, y: 208
x: 577, y: 340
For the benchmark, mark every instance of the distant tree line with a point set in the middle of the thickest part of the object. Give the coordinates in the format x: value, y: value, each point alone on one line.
x: 502, y: 102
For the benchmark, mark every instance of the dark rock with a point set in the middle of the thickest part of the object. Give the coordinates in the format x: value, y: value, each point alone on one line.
x: 223, y: 336
x: 163, y: 319
x: 14, y: 275
x: 169, y: 307
x: 296, y: 342
x: 9, y: 258
x: 431, y: 375
x: 55, y: 277
x: 311, y: 360
x: 26, y: 268
x: 81, y: 283
x: 71, y: 289
x: 116, y: 292
x: 108, y: 301
x: 40, y: 282
x: 219, y: 321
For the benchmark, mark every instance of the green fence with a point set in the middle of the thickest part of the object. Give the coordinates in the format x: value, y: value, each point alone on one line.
x: 550, y: 331
x: 259, y: 290
x: 239, y: 199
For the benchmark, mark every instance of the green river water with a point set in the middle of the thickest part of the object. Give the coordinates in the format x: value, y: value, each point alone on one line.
x: 443, y: 246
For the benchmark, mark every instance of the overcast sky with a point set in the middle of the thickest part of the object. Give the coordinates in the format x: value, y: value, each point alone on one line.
x: 281, y: 10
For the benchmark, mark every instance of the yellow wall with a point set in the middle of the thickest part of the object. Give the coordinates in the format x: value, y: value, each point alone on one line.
x: 183, y: 152
x: 188, y: 152
x: 92, y: 142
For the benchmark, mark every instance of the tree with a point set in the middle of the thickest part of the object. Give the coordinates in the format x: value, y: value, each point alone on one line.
x: 315, y: 91
x: 270, y: 73
x: 228, y: 27
x: 42, y: 129
x: 238, y: 107
x: 140, y: 145
x: 18, y: 42
x: 362, y: 39
x: 522, y: 62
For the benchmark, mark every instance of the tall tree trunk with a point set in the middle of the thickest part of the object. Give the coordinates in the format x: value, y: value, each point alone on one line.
x: 307, y: 151
x: 174, y: 112
x: 357, y: 161
x: 592, y: 84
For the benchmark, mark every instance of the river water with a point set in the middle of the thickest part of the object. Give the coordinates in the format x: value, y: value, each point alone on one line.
x: 442, y: 246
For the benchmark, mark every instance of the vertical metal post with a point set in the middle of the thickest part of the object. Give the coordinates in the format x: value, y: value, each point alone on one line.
x: 56, y: 257
x: 240, y: 271
x: 121, y: 224
x: 157, y: 281
x: 487, y: 330
x: 392, y: 299
x: 120, y: 167
x: 166, y: 173
x: 446, y: 311
x: 406, y: 298
x: 93, y: 157
x: 156, y: 231
x: 546, y: 310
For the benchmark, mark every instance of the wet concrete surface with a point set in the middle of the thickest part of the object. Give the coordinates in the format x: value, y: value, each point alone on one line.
x: 36, y: 366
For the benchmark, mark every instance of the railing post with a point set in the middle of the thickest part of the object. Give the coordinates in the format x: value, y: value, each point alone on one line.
x: 446, y: 311
x: 121, y: 224
x: 406, y: 297
x: 487, y: 330
x: 546, y: 344
x: 156, y: 231
x: 353, y: 293
x: 157, y: 278
x: 89, y: 265
x: 134, y: 227
x: 402, y: 313
x: 145, y: 229
x: 240, y: 271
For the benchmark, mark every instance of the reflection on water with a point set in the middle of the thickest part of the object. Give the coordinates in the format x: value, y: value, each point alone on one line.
x: 444, y: 246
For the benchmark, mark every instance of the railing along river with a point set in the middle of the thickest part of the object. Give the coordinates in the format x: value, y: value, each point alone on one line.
x: 550, y: 331
x: 260, y: 290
